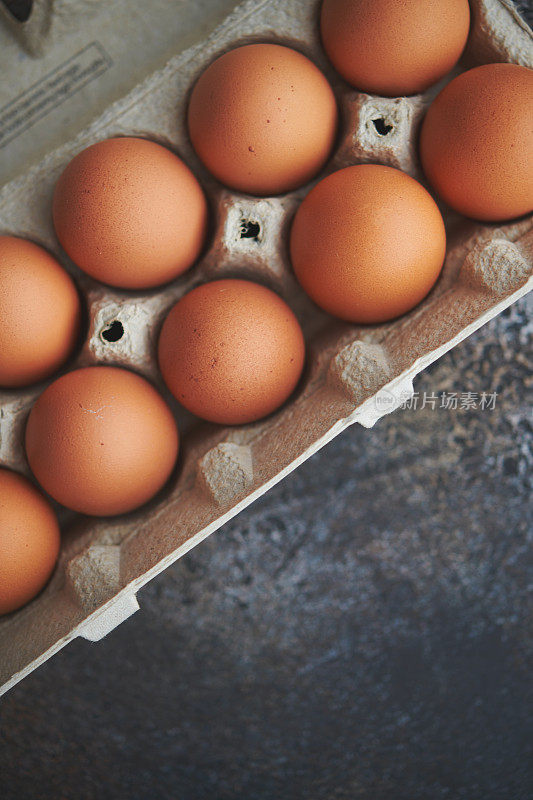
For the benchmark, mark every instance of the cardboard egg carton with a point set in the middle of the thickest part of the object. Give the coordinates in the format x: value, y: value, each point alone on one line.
x: 353, y: 373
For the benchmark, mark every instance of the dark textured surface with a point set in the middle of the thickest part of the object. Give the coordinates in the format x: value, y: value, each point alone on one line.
x: 363, y: 631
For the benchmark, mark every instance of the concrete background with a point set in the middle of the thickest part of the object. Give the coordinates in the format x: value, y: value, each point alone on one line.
x: 363, y: 631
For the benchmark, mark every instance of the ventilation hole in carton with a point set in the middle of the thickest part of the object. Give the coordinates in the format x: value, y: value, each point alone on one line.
x: 20, y: 9
x: 114, y: 332
x: 382, y: 127
x: 250, y: 230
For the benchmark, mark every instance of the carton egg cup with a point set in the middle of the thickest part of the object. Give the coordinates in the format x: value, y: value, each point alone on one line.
x: 353, y: 373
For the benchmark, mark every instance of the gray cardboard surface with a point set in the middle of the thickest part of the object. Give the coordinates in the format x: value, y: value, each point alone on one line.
x: 73, y: 57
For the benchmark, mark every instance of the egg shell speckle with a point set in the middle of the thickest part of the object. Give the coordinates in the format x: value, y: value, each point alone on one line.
x: 394, y: 48
x: 29, y: 541
x: 476, y: 143
x: 130, y: 213
x: 40, y: 313
x: 231, y: 351
x: 101, y: 440
x: 368, y: 243
x: 263, y: 119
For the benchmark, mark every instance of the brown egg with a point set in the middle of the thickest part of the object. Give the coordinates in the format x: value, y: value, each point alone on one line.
x: 130, y: 213
x: 367, y: 243
x: 476, y: 142
x: 231, y: 351
x: 394, y: 48
x: 29, y: 541
x: 39, y: 313
x: 263, y: 118
x: 101, y: 440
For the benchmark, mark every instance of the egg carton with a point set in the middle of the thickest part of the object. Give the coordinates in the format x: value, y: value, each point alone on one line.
x: 38, y: 23
x: 353, y: 373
